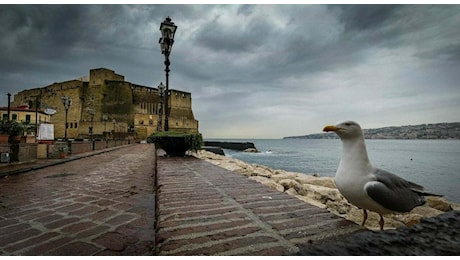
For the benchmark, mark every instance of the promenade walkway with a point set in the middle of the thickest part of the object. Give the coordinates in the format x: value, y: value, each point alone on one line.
x: 206, y: 210
x: 83, y: 205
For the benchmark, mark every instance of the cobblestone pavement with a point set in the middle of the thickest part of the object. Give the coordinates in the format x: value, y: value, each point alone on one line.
x: 98, y: 205
x: 207, y: 210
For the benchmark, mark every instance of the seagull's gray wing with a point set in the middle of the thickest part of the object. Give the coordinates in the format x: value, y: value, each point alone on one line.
x: 395, y: 193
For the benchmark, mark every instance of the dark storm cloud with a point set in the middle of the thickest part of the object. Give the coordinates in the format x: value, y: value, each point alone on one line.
x: 365, y: 17
x: 241, y: 39
x: 249, y: 64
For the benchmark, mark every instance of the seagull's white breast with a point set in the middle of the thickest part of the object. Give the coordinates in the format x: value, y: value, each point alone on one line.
x: 353, y: 173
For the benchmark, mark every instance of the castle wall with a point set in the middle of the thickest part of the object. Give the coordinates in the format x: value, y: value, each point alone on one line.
x: 98, y: 76
x: 51, y: 97
x: 181, y: 115
x: 127, y: 106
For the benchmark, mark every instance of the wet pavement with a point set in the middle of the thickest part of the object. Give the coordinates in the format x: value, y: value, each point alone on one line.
x: 92, y: 205
x: 207, y: 210
x: 105, y: 203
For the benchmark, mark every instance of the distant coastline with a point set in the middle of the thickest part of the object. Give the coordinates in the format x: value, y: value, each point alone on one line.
x: 424, y: 131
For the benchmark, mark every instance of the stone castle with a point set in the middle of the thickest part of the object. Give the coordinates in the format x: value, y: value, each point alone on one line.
x: 120, y: 108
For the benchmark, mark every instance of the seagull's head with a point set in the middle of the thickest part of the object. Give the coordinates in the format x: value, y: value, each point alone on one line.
x: 345, y: 130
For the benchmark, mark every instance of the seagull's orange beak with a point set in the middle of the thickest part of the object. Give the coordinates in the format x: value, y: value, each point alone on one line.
x: 330, y: 128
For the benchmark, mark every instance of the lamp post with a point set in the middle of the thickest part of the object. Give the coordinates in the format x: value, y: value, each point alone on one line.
x: 9, y: 106
x: 113, y: 131
x: 91, y: 112
x: 168, y: 29
x: 161, y: 91
x: 105, y: 118
x: 66, y: 101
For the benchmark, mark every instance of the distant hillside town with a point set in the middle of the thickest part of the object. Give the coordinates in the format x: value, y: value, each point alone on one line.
x: 424, y: 131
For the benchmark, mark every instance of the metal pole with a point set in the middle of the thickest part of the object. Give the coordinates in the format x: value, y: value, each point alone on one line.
x: 65, y: 132
x: 167, y: 63
x: 36, y: 116
x: 9, y: 106
x: 160, y: 111
x: 92, y: 139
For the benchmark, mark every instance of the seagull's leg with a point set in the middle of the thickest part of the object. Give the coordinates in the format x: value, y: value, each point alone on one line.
x: 381, y: 222
x: 364, y: 217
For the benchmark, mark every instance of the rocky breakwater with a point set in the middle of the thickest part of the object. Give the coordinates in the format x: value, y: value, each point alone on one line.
x: 322, y: 192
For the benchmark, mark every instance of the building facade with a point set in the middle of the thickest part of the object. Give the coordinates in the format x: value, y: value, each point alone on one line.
x: 109, y: 105
x: 30, y: 118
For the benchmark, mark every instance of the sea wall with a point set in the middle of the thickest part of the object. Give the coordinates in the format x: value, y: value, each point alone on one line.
x: 322, y: 192
x: 240, y: 146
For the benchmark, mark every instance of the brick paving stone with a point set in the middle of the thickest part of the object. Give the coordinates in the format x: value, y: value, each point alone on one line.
x: 8, y: 222
x: 112, y: 241
x: 61, y: 222
x: 95, y: 231
x: 87, y: 210
x: 120, y: 219
x: 60, y: 209
x: 8, y: 238
x: 49, y: 218
x: 77, y: 248
x: 38, y: 215
x: 102, y: 215
x: 207, y: 210
x: 78, y: 227
x: 30, y: 242
x: 45, y: 248
x: 5, y: 231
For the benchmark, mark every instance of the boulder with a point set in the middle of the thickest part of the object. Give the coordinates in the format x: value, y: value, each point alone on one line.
x: 290, y: 184
x: 268, y: 182
x: 438, y: 203
x: 319, y: 181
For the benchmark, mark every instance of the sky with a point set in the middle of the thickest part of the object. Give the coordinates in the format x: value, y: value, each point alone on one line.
x: 254, y: 71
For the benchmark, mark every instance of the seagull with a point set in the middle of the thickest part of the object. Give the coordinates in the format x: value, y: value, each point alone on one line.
x: 367, y: 187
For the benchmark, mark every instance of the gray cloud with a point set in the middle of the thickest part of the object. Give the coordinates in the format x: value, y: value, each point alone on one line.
x: 365, y: 17
x: 273, y: 70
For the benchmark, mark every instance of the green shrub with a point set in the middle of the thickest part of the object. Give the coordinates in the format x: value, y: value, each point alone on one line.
x: 176, y: 143
x: 12, y: 128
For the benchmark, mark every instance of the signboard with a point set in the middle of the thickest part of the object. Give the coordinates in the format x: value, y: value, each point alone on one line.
x: 46, y: 132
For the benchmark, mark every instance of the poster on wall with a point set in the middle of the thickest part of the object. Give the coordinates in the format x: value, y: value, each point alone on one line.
x: 46, y: 132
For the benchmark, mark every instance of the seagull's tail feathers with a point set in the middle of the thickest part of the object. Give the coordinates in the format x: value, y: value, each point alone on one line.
x: 420, y: 190
x: 426, y: 193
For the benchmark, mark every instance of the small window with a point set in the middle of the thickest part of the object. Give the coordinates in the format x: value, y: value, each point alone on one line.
x: 28, y: 119
x: 76, y: 124
x: 15, y: 117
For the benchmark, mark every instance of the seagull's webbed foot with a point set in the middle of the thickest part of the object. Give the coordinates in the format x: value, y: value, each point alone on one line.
x: 364, y: 217
x: 381, y: 222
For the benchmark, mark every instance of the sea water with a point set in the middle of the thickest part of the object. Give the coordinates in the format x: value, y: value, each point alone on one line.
x: 434, y: 164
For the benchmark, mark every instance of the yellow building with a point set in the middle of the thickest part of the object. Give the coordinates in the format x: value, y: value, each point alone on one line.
x: 29, y: 117
x: 111, y: 106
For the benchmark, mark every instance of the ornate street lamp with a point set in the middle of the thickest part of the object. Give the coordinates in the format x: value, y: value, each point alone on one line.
x: 168, y: 29
x: 161, y: 91
x: 66, y: 101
